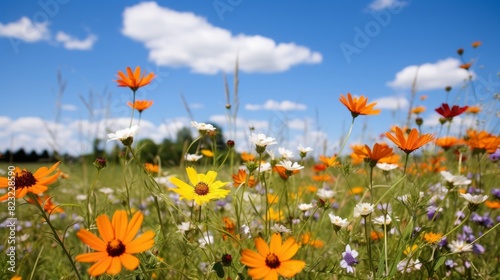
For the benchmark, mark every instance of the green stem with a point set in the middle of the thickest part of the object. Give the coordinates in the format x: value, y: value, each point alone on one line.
x: 133, y: 103
x: 347, y: 137
x: 369, y: 245
x: 406, y: 163
x: 56, y: 236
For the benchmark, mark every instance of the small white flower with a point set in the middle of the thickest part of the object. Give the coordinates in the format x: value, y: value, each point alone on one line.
x: 206, y: 239
x: 184, y: 226
x: 280, y: 228
x: 202, y: 127
x: 459, y: 246
x: 81, y: 197
x: 246, y: 231
x: 261, y: 140
x: 193, y: 157
x: 288, y: 165
x: 265, y: 167
x: 325, y: 194
x: 338, y: 221
x: 123, y: 134
x: 455, y: 180
x: 409, y: 265
x: 304, y: 150
x: 284, y: 153
x: 106, y: 190
x: 474, y: 199
x: 387, y: 166
x: 363, y: 209
x: 383, y: 220
x: 305, y: 206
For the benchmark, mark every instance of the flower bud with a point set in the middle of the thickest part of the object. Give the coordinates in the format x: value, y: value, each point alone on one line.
x: 100, y: 163
x: 230, y: 144
x: 460, y: 51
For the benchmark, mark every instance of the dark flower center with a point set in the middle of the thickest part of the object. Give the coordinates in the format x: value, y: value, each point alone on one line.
x: 201, y: 188
x: 272, y: 261
x: 115, y: 248
x: 350, y: 260
x: 25, y: 180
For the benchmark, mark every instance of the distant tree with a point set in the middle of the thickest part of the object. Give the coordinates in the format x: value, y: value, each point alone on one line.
x: 19, y: 156
x: 32, y: 157
x: 147, y: 150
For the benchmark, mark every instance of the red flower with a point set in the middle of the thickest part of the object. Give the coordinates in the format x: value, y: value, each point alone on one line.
x: 448, y: 113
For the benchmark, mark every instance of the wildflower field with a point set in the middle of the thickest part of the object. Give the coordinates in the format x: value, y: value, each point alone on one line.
x: 413, y: 205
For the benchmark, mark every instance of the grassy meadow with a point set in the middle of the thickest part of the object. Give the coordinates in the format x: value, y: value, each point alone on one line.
x: 413, y: 206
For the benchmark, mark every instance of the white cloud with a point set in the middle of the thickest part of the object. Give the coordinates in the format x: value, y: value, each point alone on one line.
x: 71, y: 43
x: 24, y: 29
x: 391, y: 103
x: 284, y: 105
x: 183, y: 39
x: 430, y: 75
x: 378, y: 5
x: 69, y: 107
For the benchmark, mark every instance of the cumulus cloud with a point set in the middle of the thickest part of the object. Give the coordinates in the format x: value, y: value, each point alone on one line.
x: 71, y: 43
x: 284, y: 105
x: 183, y: 39
x: 391, y: 103
x: 430, y: 75
x: 24, y: 29
x: 378, y: 5
x: 69, y: 107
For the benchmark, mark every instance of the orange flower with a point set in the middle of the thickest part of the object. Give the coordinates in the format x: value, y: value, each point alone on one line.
x: 116, y: 245
x: 358, y: 106
x: 153, y: 168
x: 482, y: 141
x: 473, y: 110
x: 26, y: 182
x: 379, y: 151
x: 393, y: 159
x: 283, y: 172
x: 432, y: 237
x: 492, y: 204
x: 476, y: 44
x: 357, y: 190
x: 140, y: 105
x: 448, y: 141
x: 316, y: 243
x: 241, y: 178
x: 319, y: 167
x: 271, y: 261
x: 410, y: 143
x: 229, y: 226
x: 247, y: 157
x: 272, y: 198
x: 329, y: 161
x: 207, y: 153
x: 418, y: 110
x: 376, y: 235
x: 47, y: 204
x: 465, y: 66
x: 356, y: 158
x: 423, y: 97
x: 322, y: 178
x: 134, y: 80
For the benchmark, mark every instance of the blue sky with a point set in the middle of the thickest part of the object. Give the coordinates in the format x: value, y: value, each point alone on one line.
x: 296, y: 58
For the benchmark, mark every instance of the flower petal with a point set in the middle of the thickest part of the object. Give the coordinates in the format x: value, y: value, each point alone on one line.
x: 192, y: 175
x: 133, y: 227
x: 262, y: 247
x: 91, y: 257
x: 275, y: 244
x: 287, y: 250
x: 100, y: 267
x: 141, y: 243
x: 129, y: 262
x: 91, y: 240
x: 252, y: 259
x: 105, y: 228
x: 115, y: 267
x: 260, y: 272
x: 288, y: 269
x: 120, y: 224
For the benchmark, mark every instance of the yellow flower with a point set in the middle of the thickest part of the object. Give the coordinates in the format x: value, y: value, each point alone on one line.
x: 203, y: 187
x: 357, y: 190
x: 271, y: 261
x: 473, y: 110
x: 116, y: 245
x: 410, y: 250
x: 30, y: 182
x: 418, y: 110
x: 207, y: 153
x: 432, y: 238
x: 273, y: 215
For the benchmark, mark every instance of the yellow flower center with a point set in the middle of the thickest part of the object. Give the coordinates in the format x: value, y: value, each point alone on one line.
x: 272, y: 261
x: 115, y: 248
x: 201, y: 188
x: 25, y: 180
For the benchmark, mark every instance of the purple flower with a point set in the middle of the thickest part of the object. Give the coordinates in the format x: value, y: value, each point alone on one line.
x: 478, y: 249
x: 433, y: 212
x: 495, y: 156
x: 450, y: 264
x: 443, y: 242
x: 496, y: 193
x: 349, y: 259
